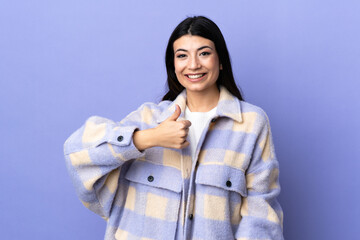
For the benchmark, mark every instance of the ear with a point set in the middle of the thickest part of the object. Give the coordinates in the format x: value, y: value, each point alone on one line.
x: 221, y: 67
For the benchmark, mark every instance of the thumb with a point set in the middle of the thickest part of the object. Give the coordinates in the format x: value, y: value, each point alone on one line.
x: 176, y: 114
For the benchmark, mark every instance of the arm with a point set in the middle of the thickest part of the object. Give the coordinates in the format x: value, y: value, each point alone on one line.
x: 94, y: 156
x: 144, y: 139
x: 262, y: 216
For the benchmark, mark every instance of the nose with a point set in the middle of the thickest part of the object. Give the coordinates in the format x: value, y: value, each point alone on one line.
x: 194, y: 63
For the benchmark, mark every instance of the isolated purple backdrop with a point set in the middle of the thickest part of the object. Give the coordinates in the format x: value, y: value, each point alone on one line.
x: 63, y: 61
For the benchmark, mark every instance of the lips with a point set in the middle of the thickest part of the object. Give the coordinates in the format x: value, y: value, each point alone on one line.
x: 195, y: 77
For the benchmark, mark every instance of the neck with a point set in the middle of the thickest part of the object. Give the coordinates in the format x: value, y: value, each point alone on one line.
x: 202, y: 101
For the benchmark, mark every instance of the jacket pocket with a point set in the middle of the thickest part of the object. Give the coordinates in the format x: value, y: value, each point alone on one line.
x: 154, y: 175
x: 152, y: 202
x: 222, y: 176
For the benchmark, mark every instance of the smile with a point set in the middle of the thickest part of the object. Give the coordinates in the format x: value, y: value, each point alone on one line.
x: 195, y: 77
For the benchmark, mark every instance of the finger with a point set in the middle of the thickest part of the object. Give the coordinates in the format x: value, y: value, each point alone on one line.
x: 187, y: 131
x: 187, y: 123
x: 176, y: 113
x: 185, y: 144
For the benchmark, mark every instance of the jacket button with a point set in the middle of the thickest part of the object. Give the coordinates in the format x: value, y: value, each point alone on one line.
x: 213, y: 120
x: 228, y: 183
x: 120, y: 138
x: 150, y: 178
x: 191, y: 216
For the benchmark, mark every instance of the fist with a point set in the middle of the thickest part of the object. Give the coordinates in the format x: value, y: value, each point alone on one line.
x: 172, y: 133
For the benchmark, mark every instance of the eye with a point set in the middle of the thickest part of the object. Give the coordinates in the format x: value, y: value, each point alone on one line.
x: 205, y: 53
x: 181, y: 56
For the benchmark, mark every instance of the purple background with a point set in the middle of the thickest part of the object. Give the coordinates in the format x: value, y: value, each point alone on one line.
x: 63, y: 61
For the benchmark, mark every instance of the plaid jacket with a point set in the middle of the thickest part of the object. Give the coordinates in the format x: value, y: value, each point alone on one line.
x: 160, y: 193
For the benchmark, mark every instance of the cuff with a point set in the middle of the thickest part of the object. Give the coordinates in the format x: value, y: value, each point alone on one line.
x: 123, y: 138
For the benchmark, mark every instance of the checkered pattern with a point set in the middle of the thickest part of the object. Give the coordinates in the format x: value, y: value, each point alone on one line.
x: 230, y: 191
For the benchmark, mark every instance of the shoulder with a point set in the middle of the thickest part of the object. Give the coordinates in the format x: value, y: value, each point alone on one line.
x: 259, y: 116
x: 154, y: 107
x: 147, y: 112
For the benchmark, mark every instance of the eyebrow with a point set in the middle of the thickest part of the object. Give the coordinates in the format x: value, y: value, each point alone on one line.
x: 200, y: 48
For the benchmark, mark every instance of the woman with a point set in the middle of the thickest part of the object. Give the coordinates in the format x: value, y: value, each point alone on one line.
x: 198, y: 165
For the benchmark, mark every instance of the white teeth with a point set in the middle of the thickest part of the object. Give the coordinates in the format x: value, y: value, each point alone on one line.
x: 195, y: 76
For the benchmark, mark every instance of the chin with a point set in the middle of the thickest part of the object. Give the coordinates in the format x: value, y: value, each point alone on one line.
x: 198, y: 87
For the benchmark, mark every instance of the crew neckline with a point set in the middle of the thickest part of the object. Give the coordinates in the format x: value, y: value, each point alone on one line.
x: 188, y: 110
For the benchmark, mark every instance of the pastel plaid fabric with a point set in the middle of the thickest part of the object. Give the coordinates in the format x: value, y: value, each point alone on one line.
x: 160, y: 193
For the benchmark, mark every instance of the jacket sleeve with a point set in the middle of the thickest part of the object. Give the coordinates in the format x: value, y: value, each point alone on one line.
x: 261, y: 214
x: 94, y: 155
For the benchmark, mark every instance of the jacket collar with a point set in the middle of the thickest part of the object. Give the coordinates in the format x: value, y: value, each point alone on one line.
x: 228, y: 106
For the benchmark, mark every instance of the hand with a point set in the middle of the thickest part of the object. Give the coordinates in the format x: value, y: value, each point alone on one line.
x: 171, y: 133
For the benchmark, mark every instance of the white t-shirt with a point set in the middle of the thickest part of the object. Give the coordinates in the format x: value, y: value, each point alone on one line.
x: 198, y: 121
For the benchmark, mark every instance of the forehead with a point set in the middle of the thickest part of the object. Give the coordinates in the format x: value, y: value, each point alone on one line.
x: 191, y: 42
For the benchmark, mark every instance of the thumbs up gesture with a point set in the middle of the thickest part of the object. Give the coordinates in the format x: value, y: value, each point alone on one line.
x: 171, y: 133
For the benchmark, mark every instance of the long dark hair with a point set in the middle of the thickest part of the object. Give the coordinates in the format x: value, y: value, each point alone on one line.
x: 203, y: 27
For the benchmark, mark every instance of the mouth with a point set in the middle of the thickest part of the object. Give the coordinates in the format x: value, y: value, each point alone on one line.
x: 195, y: 77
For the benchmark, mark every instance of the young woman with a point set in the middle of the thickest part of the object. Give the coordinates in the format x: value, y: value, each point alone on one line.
x: 198, y: 165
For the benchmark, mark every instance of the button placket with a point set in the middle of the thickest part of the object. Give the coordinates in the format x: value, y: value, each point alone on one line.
x: 194, y: 165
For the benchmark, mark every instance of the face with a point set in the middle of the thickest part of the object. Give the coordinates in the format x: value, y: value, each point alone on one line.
x: 196, y: 63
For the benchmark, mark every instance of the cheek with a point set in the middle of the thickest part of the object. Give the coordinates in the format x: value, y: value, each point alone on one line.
x: 215, y: 61
x: 178, y: 66
x: 211, y: 62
